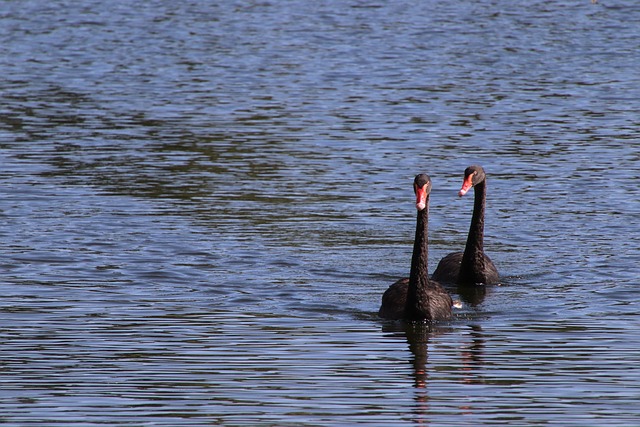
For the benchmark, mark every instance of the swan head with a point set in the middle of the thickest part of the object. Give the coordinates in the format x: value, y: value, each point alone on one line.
x: 422, y: 189
x: 473, y: 175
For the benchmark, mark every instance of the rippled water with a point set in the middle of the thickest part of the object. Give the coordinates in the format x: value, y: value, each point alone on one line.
x: 202, y: 204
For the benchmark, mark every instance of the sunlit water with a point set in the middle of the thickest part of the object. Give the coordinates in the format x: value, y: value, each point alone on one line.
x: 202, y: 204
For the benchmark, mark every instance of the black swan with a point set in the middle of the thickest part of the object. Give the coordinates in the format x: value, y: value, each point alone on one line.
x: 472, y: 266
x: 418, y: 298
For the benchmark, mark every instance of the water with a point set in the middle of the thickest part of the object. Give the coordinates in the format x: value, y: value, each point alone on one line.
x: 202, y: 205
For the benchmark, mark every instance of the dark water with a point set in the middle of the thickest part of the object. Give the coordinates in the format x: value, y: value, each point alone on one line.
x: 202, y: 204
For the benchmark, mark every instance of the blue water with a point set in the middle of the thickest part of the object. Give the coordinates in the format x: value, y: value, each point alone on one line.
x: 202, y: 204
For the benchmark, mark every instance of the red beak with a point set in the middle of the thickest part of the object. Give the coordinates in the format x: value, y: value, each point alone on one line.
x: 421, y: 197
x: 466, y: 185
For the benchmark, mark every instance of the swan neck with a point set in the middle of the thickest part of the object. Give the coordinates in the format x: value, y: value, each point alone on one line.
x: 475, y: 239
x: 417, y: 297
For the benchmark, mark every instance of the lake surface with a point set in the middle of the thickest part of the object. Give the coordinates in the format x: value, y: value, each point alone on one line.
x: 201, y: 205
